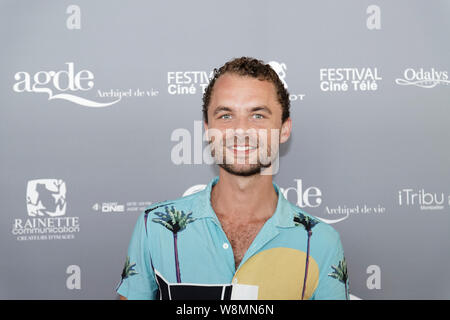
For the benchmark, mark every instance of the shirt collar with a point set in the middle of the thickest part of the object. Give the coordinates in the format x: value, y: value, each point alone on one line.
x: 283, y: 216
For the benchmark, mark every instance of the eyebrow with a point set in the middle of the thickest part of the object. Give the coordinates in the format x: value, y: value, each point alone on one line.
x: 227, y: 109
x: 220, y: 109
x: 261, y: 108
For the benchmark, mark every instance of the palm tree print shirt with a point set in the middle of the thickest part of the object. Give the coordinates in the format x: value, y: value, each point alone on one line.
x: 178, y: 250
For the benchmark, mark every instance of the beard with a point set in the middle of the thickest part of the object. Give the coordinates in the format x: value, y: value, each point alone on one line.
x: 245, y: 171
x: 243, y: 167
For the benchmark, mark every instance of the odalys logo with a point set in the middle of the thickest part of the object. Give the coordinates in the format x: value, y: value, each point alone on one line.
x: 63, y: 84
x: 46, y: 207
x: 423, y: 78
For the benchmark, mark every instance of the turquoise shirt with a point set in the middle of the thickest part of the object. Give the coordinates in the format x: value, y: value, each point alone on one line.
x: 178, y: 250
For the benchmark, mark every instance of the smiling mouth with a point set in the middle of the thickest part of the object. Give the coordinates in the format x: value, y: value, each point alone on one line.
x: 242, y: 148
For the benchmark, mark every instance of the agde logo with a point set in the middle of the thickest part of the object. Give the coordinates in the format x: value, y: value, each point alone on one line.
x: 63, y: 81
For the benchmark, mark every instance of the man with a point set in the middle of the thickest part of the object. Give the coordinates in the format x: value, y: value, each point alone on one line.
x: 239, y: 238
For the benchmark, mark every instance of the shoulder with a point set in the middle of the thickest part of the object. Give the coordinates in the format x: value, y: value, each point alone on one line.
x: 321, y: 230
x: 184, y: 203
x: 167, y: 209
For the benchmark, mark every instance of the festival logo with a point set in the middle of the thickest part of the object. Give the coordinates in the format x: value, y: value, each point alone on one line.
x: 187, y: 82
x: 364, y: 79
x: 196, y: 81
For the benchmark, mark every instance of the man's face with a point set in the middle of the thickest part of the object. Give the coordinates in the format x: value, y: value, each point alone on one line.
x: 244, y: 124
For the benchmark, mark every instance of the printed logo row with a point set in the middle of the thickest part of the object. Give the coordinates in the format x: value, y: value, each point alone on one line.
x: 47, y: 207
x: 71, y: 85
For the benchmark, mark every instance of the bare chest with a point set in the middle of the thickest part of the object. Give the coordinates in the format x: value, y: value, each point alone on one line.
x: 241, y: 237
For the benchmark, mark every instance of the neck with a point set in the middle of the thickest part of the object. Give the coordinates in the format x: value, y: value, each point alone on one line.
x: 245, y: 199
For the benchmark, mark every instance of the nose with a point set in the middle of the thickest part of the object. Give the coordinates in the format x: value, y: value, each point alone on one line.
x: 243, y: 132
x: 241, y: 124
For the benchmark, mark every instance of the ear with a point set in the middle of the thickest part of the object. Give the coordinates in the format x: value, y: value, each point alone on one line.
x: 286, y: 129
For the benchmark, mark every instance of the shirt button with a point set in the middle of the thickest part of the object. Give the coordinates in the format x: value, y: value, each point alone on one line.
x: 225, y: 246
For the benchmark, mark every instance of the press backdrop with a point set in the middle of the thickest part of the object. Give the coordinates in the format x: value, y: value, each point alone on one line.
x: 100, y: 117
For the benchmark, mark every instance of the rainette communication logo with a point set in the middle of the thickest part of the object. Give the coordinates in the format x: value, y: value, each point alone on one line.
x: 423, y: 78
x: 70, y: 85
x: 46, y: 206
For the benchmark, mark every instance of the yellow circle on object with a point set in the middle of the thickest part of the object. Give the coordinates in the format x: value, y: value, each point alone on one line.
x: 279, y: 274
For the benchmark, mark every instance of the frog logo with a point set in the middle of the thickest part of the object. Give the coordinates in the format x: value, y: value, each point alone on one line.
x: 280, y: 69
x: 46, y: 197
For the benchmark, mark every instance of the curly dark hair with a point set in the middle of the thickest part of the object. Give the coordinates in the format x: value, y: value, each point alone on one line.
x: 251, y: 67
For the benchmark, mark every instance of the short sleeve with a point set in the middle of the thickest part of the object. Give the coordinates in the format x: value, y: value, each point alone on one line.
x: 333, y: 278
x: 138, y: 279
